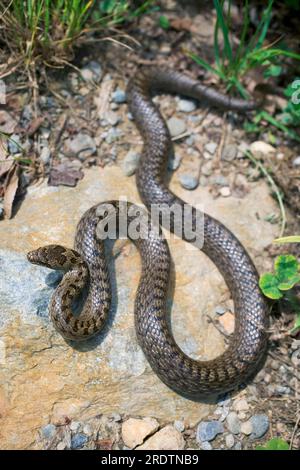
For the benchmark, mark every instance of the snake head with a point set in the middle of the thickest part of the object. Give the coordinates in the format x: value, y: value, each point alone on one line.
x: 54, y: 257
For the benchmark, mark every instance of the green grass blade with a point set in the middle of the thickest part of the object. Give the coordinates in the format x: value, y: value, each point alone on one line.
x: 225, y: 30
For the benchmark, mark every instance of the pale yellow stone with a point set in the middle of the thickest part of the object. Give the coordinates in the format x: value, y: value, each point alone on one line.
x: 134, y: 431
x: 167, y: 438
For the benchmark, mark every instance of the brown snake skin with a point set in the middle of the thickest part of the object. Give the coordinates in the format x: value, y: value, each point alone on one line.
x: 186, y: 376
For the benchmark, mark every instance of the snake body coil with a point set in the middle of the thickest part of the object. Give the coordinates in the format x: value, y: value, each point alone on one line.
x: 183, y: 374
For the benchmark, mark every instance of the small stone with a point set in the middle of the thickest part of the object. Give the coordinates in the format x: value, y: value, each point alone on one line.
x: 53, y: 279
x: 112, y: 135
x: 130, y: 163
x: 112, y: 118
x: 87, y: 430
x: 229, y: 153
x: 188, y: 181
x: 296, y: 161
x: 281, y: 390
x: 220, y: 310
x: 227, y: 322
x: 190, y: 140
x: 238, y: 446
x: 220, y: 180
x: 229, y: 441
x: 45, y: 155
x: 233, y: 423
x: 168, y: 438
x: 260, y: 148
x: 135, y: 431
x: 78, y: 441
x: 92, y: 72
x: 176, y: 126
x: 119, y: 96
x: 225, y: 191
x: 295, y: 344
x: 246, y: 428
x: 206, y: 168
x: 61, y: 445
x: 74, y: 426
x: 206, y: 445
x: 203, y: 180
x: 208, y: 430
x: 83, y: 146
x: 48, y: 431
x: 13, y: 144
x: 186, y: 106
x: 174, y: 162
x: 240, y: 405
x: 179, y: 425
x: 260, y: 425
x: 207, y: 156
x: 211, y: 147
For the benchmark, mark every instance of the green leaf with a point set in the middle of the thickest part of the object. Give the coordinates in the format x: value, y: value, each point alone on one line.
x: 273, y: 71
x: 164, y: 22
x: 289, y: 283
x: 274, y: 444
x: 286, y: 267
x: 269, y: 286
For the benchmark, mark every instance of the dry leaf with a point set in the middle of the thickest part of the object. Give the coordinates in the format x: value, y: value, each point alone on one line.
x: 7, y: 122
x: 6, y: 162
x: 34, y: 125
x: 11, y: 186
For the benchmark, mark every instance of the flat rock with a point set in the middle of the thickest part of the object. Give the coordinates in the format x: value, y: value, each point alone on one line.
x: 167, y: 438
x: 176, y: 126
x: 45, y: 380
x: 135, y: 431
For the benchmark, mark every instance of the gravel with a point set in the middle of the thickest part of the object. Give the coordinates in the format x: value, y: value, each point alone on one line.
x: 206, y: 445
x: 174, y: 162
x: 189, y: 181
x: 229, y: 153
x: 246, y: 428
x: 233, y: 423
x: 225, y: 191
x: 211, y: 147
x: 176, y: 126
x: 260, y: 425
x: 119, y: 96
x: 130, y: 163
x: 48, y: 431
x: 296, y: 161
x: 229, y: 441
x: 186, y: 106
x: 208, y: 430
x: 92, y: 72
x: 82, y: 146
x: 220, y: 310
x: 78, y: 441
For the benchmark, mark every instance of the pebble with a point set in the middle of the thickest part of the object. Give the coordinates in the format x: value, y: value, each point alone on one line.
x: 45, y: 155
x: 296, y: 161
x: 260, y: 148
x: 189, y: 181
x: 87, y: 430
x: 246, y: 428
x: 165, y: 439
x: 233, y: 423
x: 179, y: 425
x: 112, y: 135
x: 48, y: 431
x: 78, y: 441
x: 12, y: 144
x: 174, y: 162
x: 206, y: 168
x: 176, y: 126
x: 225, y: 191
x: 206, y: 445
x: 130, y: 163
x: 119, y: 96
x: 211, y: 147
x: 186, y: 106
x: 208, y: 430
x: 229, y: 152
x: 229, y: 441
x: 61, y: 445
x: 203, y: 180
x: 83, y: 146
x: 238, y: 446
x: 112, y: 118
x: 135, y: 431
x: 220, y: 310
x: 260, y: 425
x: 240, y: 405
x: 53, y: 279
x: 92, y: 72
x: 74, y: 426
x: 220, y: 180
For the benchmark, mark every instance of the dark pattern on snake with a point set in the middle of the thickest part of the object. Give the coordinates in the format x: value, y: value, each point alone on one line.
x: 248, y: 343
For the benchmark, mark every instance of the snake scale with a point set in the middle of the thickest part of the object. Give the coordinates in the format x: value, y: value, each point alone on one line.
x: 87, y: 262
